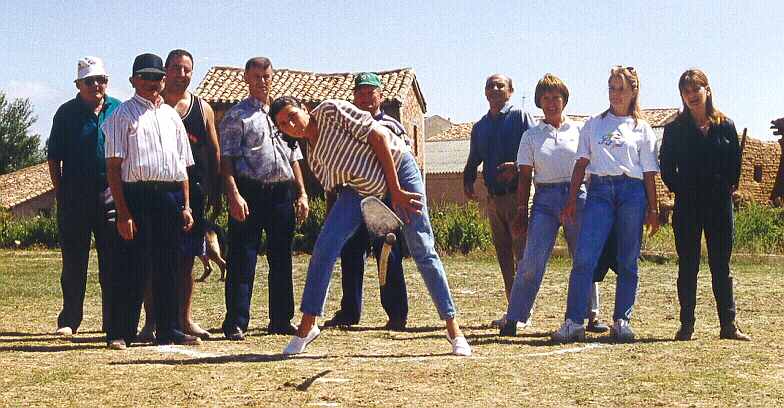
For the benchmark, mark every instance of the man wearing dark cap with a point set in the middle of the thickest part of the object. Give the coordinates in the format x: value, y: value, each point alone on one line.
x: 394, y: 299
x: 75, y: 153
x: 147, y: 154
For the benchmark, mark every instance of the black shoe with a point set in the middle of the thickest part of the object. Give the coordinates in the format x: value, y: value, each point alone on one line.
x: 340, y: 320
x: 684, y: 333
x: 235, y: 334
x: 597, y: 326
x: 179, y: 338
x: 733, y: 332
x: 395, y: 325
x: 287, y: 329
x: 509, y: 329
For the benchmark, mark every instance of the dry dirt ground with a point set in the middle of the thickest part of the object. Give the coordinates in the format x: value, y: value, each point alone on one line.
x: 369, y: 366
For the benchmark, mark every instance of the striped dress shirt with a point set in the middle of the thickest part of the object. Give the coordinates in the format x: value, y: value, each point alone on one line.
x: 151, y: 140
x: 342, y: 154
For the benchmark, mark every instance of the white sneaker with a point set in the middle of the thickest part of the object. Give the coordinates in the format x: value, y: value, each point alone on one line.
x: 460, y: 346
x: 64, y: 331
x: 622, y: 331
x: 569, y: 332
x: 297, y: 344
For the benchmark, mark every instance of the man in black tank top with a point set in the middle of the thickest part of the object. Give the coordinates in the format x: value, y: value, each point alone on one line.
x: 199, y: 121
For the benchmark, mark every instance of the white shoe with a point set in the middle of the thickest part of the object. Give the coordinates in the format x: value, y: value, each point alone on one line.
x: 297, y: 344
x: 118, y: 344
x: 569, y: 332
x: 64, y: 331
x: 622, y: 331
x: 460, y: 346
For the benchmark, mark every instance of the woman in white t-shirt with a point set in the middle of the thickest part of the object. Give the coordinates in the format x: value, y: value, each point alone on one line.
x: 617, y: 150
x: 546, y: 157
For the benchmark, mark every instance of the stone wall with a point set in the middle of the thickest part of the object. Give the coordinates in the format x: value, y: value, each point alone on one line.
x: 413, y: 119
x: 759, y: 169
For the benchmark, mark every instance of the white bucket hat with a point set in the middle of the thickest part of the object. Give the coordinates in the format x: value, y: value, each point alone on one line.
x: 90, y: 66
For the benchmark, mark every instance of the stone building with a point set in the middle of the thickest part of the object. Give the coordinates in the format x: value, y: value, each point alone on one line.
x: 223, y: 87
x: 27, y: 192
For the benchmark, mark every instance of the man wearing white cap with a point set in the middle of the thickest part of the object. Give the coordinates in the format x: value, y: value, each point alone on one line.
x: 75, y: 154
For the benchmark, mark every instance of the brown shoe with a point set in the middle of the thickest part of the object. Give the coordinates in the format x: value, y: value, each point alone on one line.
x: 733, y: 332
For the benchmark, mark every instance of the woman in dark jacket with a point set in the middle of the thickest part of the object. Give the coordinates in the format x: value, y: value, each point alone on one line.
x: 700, y: 163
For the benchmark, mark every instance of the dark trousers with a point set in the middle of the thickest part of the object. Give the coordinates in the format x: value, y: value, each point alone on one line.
x: 394, y: 298
x: 155, y: 252
x: 271, y: 210
x: 689, y: 222
x: 80, y: 214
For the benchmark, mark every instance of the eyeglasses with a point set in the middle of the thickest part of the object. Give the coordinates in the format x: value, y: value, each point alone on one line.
x: 99, y: 80
x: 630, y: 69
x: 149, y: 76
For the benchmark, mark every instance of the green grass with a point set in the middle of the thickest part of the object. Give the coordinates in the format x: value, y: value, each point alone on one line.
x: 368, y: 366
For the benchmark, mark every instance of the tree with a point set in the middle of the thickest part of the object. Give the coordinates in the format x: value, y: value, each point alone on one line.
x: 18, y: 147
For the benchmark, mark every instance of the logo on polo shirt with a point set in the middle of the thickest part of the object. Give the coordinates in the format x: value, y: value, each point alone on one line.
x: 614, y: 139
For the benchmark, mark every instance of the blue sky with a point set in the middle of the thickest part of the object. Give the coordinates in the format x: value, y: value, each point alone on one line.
x: 452, y: 45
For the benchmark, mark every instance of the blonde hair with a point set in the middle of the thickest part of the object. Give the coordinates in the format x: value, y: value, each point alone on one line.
x: 549, y: 83
x: 696, y: 78
x: 628, y: 76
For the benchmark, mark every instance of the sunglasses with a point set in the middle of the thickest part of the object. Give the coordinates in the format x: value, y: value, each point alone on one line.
x: 96, y: 80
x: 630, y: 69
x: 149, y: 76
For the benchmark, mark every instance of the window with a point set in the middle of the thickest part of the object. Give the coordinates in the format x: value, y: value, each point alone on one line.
x: 758, y: 173
x: 416, y: 140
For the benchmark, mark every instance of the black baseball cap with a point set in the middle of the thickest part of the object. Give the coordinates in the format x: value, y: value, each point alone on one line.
x: 148, y: 63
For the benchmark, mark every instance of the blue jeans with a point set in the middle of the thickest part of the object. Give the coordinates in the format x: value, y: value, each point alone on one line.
x: 543, y: 226
x: 343, y: 221
x: 613, y: 202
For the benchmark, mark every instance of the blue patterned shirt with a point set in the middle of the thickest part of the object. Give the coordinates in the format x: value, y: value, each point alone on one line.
x: 249, y: 136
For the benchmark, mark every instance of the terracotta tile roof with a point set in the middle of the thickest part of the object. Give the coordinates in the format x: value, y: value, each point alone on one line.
x: 225, y: 85
x: 657, y: 117
x: 447, y: 156
x: 458, y: 131
x: 24, y: 184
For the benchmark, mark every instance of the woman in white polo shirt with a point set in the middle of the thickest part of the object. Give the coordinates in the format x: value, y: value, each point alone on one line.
x: 546, y: 155
x: 617, y: 149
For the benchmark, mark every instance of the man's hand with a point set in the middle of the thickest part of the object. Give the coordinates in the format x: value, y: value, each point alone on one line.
x: 468, y: 190
x: 406, y: 202
x: 301, y: 208
x: 520, y: 224
x: 652, y: 222
x: 238, y: 208
x: 126, y: 227
x: 187, y: 219
x: 506, y: 172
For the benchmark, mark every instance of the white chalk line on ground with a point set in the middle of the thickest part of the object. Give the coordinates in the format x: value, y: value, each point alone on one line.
x: 186, y: 351
x: 190, y: 352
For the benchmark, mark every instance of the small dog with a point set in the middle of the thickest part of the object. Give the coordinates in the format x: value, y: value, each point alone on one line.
x: 216, y: 247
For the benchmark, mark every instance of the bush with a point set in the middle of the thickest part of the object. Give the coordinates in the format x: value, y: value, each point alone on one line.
x: 460, y: 228
x: 25, y: 232
x: 759, y: 229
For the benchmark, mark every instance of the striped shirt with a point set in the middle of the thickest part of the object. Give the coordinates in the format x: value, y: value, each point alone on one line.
x: 342, y: 154
x: 151, y: 140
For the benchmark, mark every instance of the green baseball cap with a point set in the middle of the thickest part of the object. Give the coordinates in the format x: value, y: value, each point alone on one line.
x: 367, y: 78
